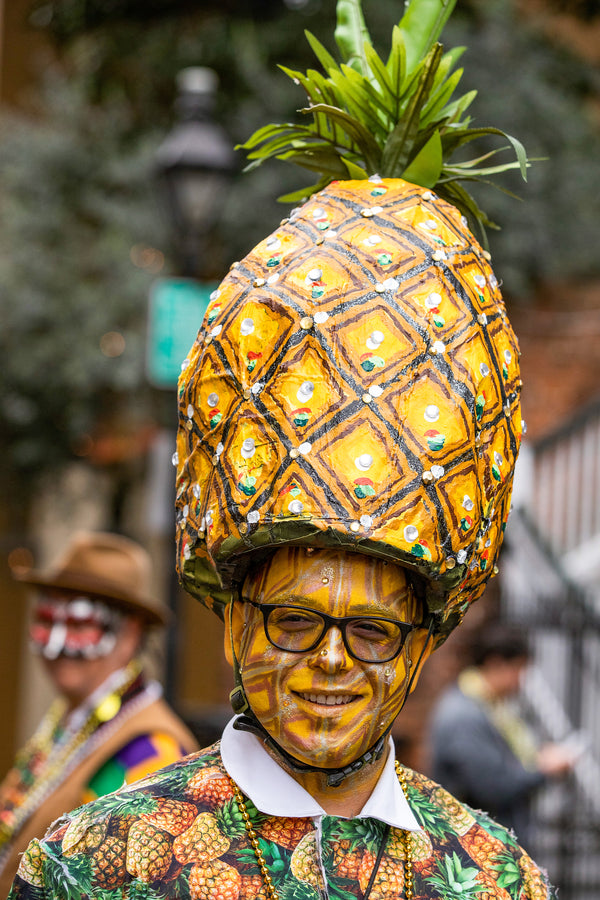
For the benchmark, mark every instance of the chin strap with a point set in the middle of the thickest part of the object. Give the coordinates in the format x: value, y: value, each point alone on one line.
x: 237, y: 697
x: 416, y: 668
x: 247, y: 721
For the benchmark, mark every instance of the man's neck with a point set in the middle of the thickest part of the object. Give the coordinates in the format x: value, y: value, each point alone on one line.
x: 346, y: 800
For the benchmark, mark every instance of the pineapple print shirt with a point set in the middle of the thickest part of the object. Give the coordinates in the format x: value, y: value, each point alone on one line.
x: 179, y: 833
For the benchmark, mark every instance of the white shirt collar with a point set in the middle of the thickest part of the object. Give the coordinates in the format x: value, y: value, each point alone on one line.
x: 276, y: 793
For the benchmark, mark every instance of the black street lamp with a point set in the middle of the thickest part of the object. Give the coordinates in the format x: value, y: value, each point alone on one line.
x: 194, y: 166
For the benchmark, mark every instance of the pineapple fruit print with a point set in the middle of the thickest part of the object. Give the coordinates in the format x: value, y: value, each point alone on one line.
x: 109, y: 863
x: 119, y: 848
x: 172, y: 816
x: 202, y: 842
x: 149, y: 852
x: 214, y: 880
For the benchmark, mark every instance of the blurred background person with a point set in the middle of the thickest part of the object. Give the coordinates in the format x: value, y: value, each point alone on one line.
x: 482, y: 750
x: 109, y: 723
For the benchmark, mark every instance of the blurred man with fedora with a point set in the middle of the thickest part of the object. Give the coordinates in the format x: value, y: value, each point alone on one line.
x: 109, y: 723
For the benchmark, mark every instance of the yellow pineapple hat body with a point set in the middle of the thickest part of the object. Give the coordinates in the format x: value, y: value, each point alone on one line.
x: 355, y: 384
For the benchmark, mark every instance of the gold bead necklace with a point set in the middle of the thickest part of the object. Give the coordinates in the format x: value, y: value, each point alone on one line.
x: 406, y: 841
x: 57, y: 755
x: 253, y: 838
x: 260, y: 859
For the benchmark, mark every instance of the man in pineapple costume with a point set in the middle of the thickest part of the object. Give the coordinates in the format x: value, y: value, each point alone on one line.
x: 349, y: 423
x: 93, y: 609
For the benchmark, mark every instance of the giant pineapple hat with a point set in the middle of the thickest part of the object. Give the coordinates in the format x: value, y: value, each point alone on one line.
x: 355, y: 382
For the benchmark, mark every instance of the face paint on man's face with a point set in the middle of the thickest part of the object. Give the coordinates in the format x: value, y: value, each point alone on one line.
x: 322, y: 706
x: 78, y: 628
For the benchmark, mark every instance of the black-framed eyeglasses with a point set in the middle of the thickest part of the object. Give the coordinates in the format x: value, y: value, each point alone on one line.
x: 299, y: 629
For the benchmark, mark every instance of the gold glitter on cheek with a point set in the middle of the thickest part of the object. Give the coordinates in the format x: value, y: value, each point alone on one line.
x: 270, y: 654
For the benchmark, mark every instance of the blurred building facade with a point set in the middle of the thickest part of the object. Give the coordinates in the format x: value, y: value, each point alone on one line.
x: 23, y: 51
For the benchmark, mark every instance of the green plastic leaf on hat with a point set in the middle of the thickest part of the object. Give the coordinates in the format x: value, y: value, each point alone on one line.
x: 426, y: 167
x: 421, y: 25
x: 400, y: 118
x: 351, y: 34
x: 323, y: 55
x: 397, y: 151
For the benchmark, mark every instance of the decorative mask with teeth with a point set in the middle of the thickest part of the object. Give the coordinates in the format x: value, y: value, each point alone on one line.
x: 78, y: 628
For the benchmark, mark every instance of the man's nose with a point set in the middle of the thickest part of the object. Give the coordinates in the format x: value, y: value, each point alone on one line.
x: 331, y: 652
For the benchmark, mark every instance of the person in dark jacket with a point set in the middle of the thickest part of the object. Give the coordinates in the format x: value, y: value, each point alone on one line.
x: 482, y: 751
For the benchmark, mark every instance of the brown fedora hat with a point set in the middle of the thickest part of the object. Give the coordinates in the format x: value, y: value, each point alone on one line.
x: 103, y: 565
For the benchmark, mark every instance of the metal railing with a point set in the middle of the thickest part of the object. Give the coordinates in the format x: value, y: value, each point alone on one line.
x: 565, y: 501
x: 550, y: 583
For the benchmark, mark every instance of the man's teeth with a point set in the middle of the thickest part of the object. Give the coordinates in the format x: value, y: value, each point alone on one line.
x: 329, y: 699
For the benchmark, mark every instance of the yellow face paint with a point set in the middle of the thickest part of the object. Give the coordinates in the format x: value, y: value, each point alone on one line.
x: 322, y: 706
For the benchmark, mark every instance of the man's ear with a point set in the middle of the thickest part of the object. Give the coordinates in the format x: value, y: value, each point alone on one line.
x: 234, y: 627
x: 421, y: 648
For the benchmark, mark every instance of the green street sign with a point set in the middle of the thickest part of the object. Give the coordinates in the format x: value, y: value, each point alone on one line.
x: 175, y: 313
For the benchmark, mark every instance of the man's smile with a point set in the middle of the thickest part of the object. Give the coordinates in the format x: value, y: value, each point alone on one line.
x: 327, y: 699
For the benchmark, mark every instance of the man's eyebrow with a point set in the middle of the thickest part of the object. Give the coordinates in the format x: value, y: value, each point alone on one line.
x: 365, y: 609
x: 282, y: 600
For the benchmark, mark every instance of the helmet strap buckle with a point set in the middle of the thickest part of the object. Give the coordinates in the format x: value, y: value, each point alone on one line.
x: 238, y: 700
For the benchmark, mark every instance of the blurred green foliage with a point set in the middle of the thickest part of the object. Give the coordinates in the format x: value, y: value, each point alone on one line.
x: 548, y: 99
x: 73, y: 206
x: 76, y: 180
